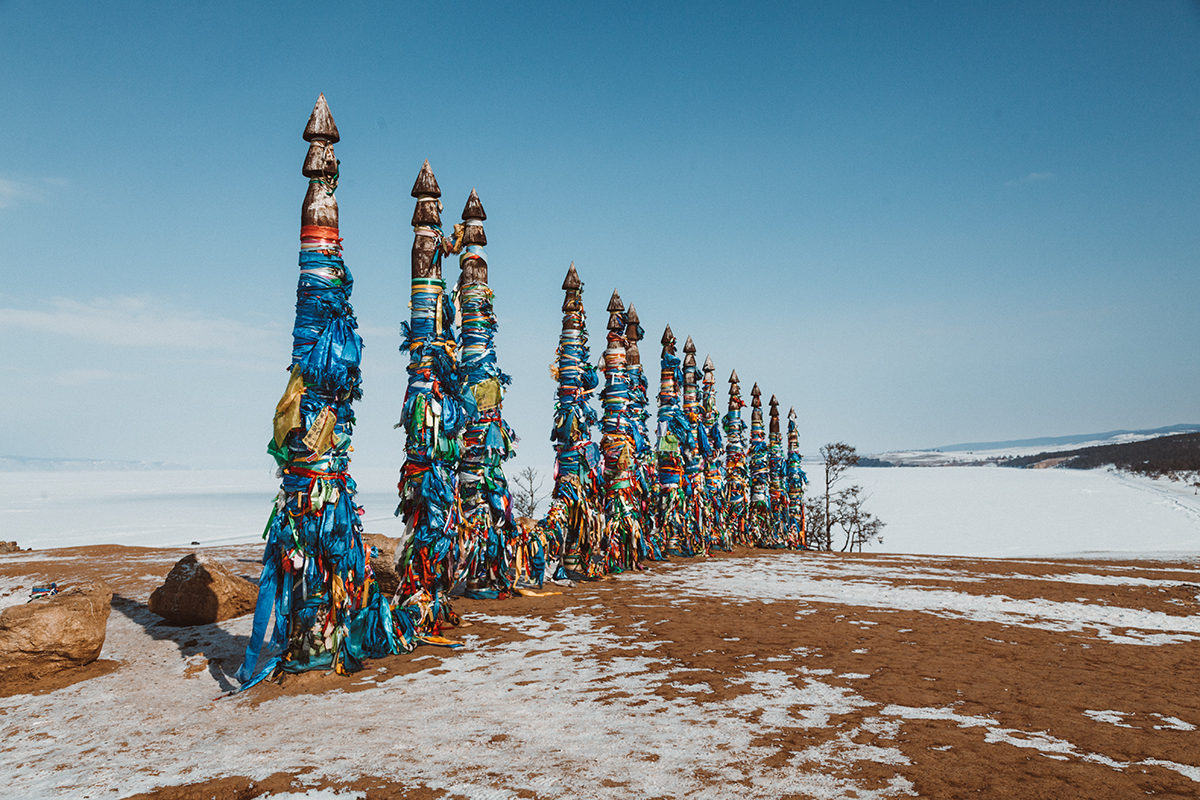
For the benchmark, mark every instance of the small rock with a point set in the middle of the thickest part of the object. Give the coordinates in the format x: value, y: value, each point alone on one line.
x: 54, y: 633
x: 200, y: 591
x: 384, y: 561
x: 9, y: 547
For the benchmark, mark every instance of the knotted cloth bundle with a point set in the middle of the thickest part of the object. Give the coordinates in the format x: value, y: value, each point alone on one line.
x: 435, y: 412
x: 575, y: 511
x: 487, y: 534
x: 329, y: 613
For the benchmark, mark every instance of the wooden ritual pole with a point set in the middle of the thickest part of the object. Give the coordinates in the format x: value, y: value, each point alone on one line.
x: 575, y: 516
x: 434, y: 414
x: 759, y: 520
x: 487, y: 528
x: 695, y: 517
x: 716, y: 533
x: 622, y: 531
x: 737, y: 482
x: 779, y: 497
x: 796, y: 480
x: 672, y: 431
x: 315, y: 576
x: 644, y: 466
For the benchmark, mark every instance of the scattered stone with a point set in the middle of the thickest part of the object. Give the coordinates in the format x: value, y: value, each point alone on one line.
x: 55, y: 633
x: 384, y: 561
x: 201, y: 591
x: 9, y: 547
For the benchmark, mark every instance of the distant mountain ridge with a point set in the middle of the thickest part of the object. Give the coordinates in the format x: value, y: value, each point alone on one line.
x: 38, y: 464
x: 980, y: 454
x: 1076, y: 439
x: 1160, y: 455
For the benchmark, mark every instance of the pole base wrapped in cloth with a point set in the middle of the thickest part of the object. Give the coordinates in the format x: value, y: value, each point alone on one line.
x: 329, y: 613
x: 576, y: 507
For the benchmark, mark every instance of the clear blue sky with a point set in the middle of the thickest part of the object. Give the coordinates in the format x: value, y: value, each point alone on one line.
x: 918, y: 223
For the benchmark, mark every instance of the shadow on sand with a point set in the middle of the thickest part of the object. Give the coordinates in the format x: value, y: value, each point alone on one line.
x: 222, y: 649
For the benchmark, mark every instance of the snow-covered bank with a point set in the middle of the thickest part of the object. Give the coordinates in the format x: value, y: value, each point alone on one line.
x: 968, y: 511
x: 991, y: 512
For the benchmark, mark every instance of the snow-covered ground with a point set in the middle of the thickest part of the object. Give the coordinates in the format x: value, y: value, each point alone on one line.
x: 991, y: 511
x: 970, y: 511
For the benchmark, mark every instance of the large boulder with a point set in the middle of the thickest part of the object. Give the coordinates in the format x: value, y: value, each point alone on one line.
x: 200, y: 591
x: 383, y: 563
x: 54, y: 633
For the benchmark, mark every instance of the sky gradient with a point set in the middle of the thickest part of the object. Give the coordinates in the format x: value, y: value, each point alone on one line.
x: 919, y: 224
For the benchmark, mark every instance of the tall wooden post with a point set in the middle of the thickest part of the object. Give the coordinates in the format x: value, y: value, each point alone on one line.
x: 434, y: 414
x: 759, y: 519
x: 714, y: 471
x: 644, y: 467
x: 796, y: 480
x: 622, y: 530
x: 315, y: 576
x: 575, y: 511
x: 695, y: 518
x: 672, y: 432
x: 487, y: 527
x: 779, y: 498
x: 737, y: 481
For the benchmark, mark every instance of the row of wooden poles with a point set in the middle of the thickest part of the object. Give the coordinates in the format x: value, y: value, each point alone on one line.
x: 699, y: 487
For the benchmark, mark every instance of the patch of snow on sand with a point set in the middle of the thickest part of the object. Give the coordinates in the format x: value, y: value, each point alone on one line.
x: 803, y: 576
x: 1044, y: 743
x: 543, y: 712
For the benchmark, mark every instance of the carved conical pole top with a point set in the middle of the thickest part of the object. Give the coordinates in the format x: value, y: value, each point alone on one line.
x: 632, y: 318
x: 473, y: 209
x: 668, y: 341
x: 757, y: 395
x: 473, y: 216
x: 689, y: 363
x: 426, y: 183
x: 616, y: 311
x: 633, y: 335
x: 320, y: 123
x: 733, y: 378
x: 774, y: 405
x: 320, y: 208
x: 473, y: 262
x: 689, y: 347
x: 426, y: 220
x: 429, y: 208
x: 792, y: 412
x: 774, y: 415
x: 572, y: 282
x: 708, y: 365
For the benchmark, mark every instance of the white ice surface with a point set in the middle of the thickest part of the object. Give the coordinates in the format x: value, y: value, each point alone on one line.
x: 1000, y: 512
x: 166, y: 508
x: 973, y: 511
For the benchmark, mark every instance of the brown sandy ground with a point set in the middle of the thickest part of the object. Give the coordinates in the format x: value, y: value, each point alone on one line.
x: 1002, y: 706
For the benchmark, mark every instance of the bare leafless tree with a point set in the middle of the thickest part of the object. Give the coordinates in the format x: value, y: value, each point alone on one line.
x: 860, y: 527
x: 837, y: 457
x: 840, y: 508
x: 528, y: 492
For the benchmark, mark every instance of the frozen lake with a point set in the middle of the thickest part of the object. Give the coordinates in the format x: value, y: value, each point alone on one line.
x: 970, y: 511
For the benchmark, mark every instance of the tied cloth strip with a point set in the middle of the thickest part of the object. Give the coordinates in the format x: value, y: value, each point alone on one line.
x: 435, y: 412
x: 316, y: 580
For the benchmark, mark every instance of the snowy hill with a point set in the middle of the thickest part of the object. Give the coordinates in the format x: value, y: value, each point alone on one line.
x: 988, y: 453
